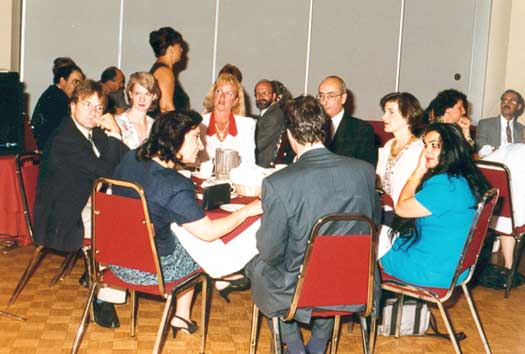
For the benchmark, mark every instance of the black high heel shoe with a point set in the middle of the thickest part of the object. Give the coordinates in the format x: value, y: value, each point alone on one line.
x: 235, y: 285
x: 191, y: 326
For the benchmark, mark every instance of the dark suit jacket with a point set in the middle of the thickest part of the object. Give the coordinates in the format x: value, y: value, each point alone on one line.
x: 489, y: 132
x: 293, y: 198
x: 354, y: 138
x: 67, y: 171
x: 267, y: 135
x: 52, y: 107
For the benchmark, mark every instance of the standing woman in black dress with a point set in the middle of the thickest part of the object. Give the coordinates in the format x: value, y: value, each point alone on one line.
x: 168, y: 46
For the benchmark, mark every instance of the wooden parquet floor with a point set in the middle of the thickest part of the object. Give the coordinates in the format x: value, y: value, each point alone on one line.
x: 53, y: 315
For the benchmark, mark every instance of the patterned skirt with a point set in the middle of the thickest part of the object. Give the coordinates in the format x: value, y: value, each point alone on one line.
x: 174, y: 266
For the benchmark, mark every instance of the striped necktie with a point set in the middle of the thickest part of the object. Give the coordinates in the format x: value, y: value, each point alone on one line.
x: 509, y: 133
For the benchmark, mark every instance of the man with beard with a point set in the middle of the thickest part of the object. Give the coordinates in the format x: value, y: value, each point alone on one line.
x: 270, y: 124
x: 505, y: 129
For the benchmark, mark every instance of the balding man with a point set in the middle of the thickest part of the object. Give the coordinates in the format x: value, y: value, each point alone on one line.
x: 270, y: 124
x: 113, y: 81
x: 350, y: 136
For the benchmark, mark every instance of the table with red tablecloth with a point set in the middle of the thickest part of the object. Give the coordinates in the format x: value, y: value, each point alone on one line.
x: 12, y: 220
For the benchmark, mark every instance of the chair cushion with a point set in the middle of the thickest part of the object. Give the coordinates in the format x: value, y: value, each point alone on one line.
x: 111, y: 279
x: 400, y: 284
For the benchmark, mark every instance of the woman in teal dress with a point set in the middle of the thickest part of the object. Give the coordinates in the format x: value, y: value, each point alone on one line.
x: 435, y: 210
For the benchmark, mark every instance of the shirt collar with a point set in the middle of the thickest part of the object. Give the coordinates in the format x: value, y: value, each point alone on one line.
x: 85, y: 131
x: 336, y: 120
x: 232, y: 127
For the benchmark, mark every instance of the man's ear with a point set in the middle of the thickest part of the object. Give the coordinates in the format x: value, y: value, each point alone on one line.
x: 344, y: 96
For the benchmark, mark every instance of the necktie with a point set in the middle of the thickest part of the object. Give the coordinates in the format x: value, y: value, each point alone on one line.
x: 93, y: 146
x: 509, y: 132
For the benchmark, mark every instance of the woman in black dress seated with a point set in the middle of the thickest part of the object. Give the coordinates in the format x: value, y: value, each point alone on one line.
x: 174, y: 140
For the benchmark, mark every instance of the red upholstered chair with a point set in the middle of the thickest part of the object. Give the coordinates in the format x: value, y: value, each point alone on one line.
x: 123, y: 236
x: 467, y: 262
x: 27, y: 166
x: 337, y: 270
x: 498, y: 176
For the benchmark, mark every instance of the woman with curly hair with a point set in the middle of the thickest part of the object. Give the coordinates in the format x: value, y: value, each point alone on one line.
x: 435, y: 210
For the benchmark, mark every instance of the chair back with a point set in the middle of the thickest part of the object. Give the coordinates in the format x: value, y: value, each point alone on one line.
x: 477, y: 234
x: 337, y: 269
x: 498, y: 176
x: 122, y: 233
x: 27, y: 167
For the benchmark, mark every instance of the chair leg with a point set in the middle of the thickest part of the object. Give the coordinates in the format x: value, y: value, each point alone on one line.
x: 365, y: 334
x: 399, y: 314
x: 518, y: 248
x: 204, y: 307
x: 31, y: 266
x: 372, y: 335
x: 86, y: 252
x: 65, y: 268
x: 476, y: 319
x: 276, y: 336
x: 160, y: 334
x: 133, y: 303
x: 335, y: 334
x: 255, y: 325
x: 84, y: 321
x: 450, y: 331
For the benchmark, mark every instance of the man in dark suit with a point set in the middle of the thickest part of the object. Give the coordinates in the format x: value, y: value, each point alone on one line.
x: 270, y: 124
x: 85, y: 146
x: 349, y: 136
x: 504, y: 129
x: 318, y: 183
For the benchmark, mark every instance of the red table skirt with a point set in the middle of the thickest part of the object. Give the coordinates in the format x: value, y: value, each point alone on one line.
x: 12, y: 219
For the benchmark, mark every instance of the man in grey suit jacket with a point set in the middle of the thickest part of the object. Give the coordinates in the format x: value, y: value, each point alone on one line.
x: 270, y: 124
x: 493, y: 131
x: 318, y: 183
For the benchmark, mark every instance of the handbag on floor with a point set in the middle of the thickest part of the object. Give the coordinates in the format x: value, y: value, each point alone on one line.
x: 415, y: 319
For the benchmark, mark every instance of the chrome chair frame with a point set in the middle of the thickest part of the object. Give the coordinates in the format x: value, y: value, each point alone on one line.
x: 518, y: 232
x: 426, y: 294
x: 98, y: 270
x: 367, y: 339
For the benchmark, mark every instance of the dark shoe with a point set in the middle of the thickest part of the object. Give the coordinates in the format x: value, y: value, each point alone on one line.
x: 235, y: 285
x: 191, y: 326
x: 83, y: 280
x: 105, y: 314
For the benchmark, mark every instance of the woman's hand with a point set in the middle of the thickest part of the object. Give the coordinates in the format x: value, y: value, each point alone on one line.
x: 254, y: 208
x: 422, y: 166
x: 464, y: 123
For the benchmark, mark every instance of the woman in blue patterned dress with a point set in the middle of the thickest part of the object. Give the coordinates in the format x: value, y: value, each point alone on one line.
x: 174, y: 140
x: 435, y: 210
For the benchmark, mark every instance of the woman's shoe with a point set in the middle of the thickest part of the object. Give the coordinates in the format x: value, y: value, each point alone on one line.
x: 235, y: 285
x: 191, y: 326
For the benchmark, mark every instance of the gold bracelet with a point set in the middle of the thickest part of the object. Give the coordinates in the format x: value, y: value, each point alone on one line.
x: 414, y: 179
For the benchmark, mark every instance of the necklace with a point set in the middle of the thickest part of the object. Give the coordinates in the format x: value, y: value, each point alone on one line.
x: 221, y: 134
x: 394, y: 150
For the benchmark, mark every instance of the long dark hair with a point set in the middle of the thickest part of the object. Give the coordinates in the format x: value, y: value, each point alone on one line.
x: 455, y: 160
x: 167, y: 136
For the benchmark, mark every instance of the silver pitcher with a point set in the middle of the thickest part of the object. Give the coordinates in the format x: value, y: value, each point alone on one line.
x: 225, y: 160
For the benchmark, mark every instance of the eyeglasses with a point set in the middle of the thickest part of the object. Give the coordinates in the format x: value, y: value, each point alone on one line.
x: 90, y: 105
x: 329, y: 96
x: 512, y: 101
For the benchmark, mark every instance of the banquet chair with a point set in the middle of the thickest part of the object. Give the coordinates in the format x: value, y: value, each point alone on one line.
x: 27, y: 174
x: 498, y: 176
x: 119, y: 221
x: 467, y: 263
x: 337, y: 270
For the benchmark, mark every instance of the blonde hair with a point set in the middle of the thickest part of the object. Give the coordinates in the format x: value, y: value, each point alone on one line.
x: 238, y: 108
x: 146, y: 80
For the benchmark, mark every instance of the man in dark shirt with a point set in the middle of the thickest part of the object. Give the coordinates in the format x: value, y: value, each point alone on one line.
x: 113, y: 81
x: 53, y: 104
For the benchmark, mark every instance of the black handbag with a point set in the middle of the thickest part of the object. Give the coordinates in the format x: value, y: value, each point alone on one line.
x: 215, y: 196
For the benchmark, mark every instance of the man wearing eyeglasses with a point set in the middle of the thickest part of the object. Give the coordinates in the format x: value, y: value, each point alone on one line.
x: 349, y: 136
x: 85, y: 146
x: 504, y: 129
